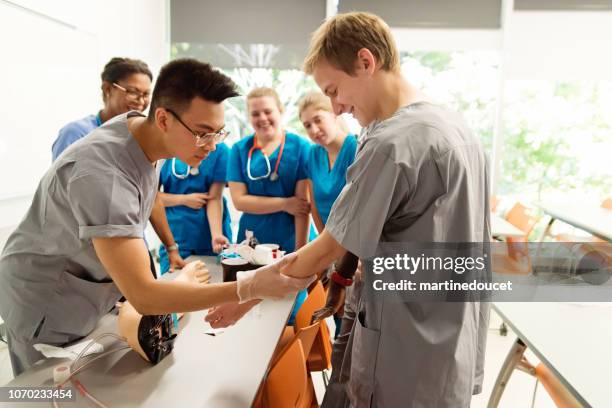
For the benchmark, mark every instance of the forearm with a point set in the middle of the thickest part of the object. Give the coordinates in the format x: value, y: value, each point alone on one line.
x: 259, y: 205
x: 170, y: 200
x: 347, y: 265
x: 160, y: 222
x: 315, y: 256
x: 301, y: 221
x: 214, y: 211
x: 162, y: 297
x: 301, y: 230
x: 316, y: 218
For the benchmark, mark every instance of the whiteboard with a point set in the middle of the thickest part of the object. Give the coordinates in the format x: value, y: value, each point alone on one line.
x: 49, y: 76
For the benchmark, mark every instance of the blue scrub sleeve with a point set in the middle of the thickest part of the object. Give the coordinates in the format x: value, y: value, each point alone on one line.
x: 235, y: 165
x: 304, y: 153
x: 67, y: 136
x: 220, y: 171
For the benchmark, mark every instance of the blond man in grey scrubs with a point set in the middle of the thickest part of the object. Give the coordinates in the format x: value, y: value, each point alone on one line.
x: 420, y: 175
x: 80, y: 245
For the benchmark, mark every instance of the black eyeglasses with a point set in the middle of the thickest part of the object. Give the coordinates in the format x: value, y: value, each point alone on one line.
x: 131, y: 94
x: 202, y: 139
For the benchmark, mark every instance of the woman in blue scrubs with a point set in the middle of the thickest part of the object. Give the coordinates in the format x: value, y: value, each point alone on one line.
x: 268, y: 181
x: 331, y: 156
x: 329, y: 159
x: 126, y: 86
x: 267, y: 176
x: 195, y: 207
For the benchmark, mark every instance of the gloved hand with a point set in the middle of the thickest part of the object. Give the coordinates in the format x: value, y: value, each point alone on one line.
x: 335, y: 300
x: 268, y: 282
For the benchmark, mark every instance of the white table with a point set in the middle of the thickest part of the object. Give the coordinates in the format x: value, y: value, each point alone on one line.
x: 202, y: 371
x: 500, y: 228
x: 592, y: 219
x: 573, y: 340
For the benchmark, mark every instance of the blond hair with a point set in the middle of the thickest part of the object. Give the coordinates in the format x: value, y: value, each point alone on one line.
x: 318, y: 101
x: 264, y: 91
x: 340, y: 37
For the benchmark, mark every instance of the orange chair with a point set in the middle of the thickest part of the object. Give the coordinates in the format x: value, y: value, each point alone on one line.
x: 607, y: 203
x: 523, y: 218
x: 306, y: 335
x: 288, y: 384
x: 319, y: 358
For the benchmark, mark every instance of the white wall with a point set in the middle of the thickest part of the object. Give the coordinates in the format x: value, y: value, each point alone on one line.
x: 52, y: 56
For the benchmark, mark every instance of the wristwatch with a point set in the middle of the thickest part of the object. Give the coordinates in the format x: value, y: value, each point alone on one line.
x: 173, y: 247
x: 341, y: 280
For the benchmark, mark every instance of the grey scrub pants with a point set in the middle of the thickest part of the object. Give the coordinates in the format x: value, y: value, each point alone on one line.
x: 335, y: 394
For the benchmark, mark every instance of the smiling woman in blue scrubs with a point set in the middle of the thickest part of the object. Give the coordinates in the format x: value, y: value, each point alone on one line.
x: 267, y: 176
x: 195, y: 207
x: 126, y: 86
x: 267, y: 179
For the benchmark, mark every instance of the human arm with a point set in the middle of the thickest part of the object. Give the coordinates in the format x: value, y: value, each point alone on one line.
x: 193, y: 200
x: 316, y: 217
x: 302, y: 222
x: 126, y: 261
x: 162, y: 229
x: 214, y: 212
x: 245, y: 202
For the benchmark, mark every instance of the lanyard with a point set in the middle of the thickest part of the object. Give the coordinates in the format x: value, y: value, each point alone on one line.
x: 274, y: 175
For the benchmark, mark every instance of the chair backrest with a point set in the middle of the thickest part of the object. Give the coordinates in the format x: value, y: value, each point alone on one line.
x: 306, y: 337
x: 607, y: 203
x: 287, y: 383
x: 522, y: 218
x: 314, y: 302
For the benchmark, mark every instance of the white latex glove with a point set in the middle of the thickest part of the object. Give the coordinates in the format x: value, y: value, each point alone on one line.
x: 268, y: 282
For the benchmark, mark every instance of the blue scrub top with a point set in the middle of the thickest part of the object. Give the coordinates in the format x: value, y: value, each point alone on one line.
x: 190, y: 227
x: 327, y: 184
x: 72, y: 132
x: 279, y: 227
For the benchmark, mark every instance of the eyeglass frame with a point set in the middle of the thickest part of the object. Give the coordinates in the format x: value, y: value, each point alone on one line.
x: 216, y: 137
x: 138, y: 95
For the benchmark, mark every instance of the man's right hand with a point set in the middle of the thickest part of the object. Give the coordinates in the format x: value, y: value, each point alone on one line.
x: 195, y: 200
x: 335, y: 301
x: 297, y: 206
x: 268, y: 282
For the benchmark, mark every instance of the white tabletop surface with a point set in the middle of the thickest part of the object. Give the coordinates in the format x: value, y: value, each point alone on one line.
x: 573, y: 339
x: 202, y: 371
x: 502, y: 228
x: 593, y: 219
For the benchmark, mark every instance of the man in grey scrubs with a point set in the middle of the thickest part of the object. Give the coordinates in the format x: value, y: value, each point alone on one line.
x: 80, y: 246
x: 419, y: 176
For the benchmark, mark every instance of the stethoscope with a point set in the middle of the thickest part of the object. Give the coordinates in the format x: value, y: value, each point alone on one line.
x: 274, y: 175
x: 194, y: 171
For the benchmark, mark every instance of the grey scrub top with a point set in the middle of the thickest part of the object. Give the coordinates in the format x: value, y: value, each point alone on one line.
x: 101, y: 186
x: 419, y: 176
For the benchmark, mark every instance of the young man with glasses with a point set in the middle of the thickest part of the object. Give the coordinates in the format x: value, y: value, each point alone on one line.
x: 80, y: 246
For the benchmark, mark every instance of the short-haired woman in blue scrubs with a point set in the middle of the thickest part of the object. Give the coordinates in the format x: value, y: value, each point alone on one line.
x: 195, y: 207
x: 267, y: 178
x: 329, y: 159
